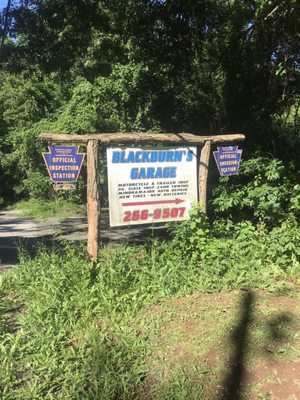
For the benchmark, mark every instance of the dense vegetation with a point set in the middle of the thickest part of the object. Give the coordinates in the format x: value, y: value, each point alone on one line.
x: 68, y: 328
x: 197, y: 66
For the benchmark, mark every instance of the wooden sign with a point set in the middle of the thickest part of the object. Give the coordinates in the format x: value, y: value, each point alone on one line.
x: 163, y: 211
x: 150, y: 186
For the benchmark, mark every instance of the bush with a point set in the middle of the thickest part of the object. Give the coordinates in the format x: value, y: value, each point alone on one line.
x: 233, y: 254
x: 266, y: 190
x: 38, y: 185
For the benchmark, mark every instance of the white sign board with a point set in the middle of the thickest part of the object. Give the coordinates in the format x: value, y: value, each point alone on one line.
x: 146, y: 186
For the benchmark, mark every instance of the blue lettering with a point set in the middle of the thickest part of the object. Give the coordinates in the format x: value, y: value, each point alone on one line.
x: 138, y: 156
x: 142, y: 174
x: 178, y: 156
x: 189, y: 156
x: 130, y: 158
x: 146, y: 156
x: 162, y: 156
x: 159, y: 173
x: 116, y: 157
x: 172, y: 172
x: 153, y: 173
x: 153, y: 156
x: 150, y: 156
x: 170, y: 155
x: 123, y: 159
x: 134, y: 173
x: 150, y: 173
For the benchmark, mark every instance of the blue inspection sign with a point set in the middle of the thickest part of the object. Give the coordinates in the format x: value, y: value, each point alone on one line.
x: 228, y: 160
x: 63, y: 164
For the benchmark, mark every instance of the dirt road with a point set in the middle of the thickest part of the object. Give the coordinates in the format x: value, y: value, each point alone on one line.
x: 18, y: 231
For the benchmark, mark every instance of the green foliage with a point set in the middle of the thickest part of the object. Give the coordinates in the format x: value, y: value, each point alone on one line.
x: 89, y: 109
x: 25, y: 164
x: 28, y: 102
x: 60, y: 207
x: 73, y: 333
x: 63, y: 350
x: 74, y: 340
x: 230, y: 254
x: 286, y: 126
x: 282, y: 245
x: 191, y: 66
x: 25, y: 103
x: 37, y: 185
x: 266, y: 190
x: 185, y: 385
x: 27, y: 99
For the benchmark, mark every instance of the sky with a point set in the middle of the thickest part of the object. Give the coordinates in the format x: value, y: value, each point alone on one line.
x: 3, y: 4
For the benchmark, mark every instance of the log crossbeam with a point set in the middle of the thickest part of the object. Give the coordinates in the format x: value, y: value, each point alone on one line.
x: 141, y: 137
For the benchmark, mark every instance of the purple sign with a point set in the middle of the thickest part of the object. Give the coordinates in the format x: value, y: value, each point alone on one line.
x: 228, y: 160
x: 63, y: 163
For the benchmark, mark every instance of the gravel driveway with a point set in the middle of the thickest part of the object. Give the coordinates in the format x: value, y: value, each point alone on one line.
x: 16, y: 231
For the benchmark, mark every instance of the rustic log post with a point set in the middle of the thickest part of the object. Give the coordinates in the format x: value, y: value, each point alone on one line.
x: 202, y: 178
x: 93, y: 199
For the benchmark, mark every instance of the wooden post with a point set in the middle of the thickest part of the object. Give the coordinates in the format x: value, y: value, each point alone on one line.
x: 203, y: 172
x: 93, y: 199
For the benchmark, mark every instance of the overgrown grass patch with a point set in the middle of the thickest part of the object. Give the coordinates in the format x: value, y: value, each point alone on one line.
x: 67, y: 346
x: 143, y: 320
x: 42, y: 209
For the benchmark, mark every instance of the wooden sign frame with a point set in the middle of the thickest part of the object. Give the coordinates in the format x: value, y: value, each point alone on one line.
x: 122, y: 138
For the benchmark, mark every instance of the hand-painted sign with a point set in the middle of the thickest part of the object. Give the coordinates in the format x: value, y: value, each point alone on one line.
x: 64, y: 165
x: 147, y: 186
x: 228, y: 160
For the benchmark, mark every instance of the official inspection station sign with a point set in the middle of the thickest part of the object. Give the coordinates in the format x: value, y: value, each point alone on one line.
x: 64, y: 165
x: 228, y: 160
x: 147, y: 186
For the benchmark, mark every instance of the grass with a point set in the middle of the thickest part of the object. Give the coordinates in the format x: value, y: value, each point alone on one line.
x: 146, y: 322
x: 42, y: 209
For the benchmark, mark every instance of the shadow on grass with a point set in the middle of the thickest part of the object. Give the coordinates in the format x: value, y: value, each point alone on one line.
x: 11, y: 247
x: 239, y: 338
x: 275, y: 332
x: 9, y: 310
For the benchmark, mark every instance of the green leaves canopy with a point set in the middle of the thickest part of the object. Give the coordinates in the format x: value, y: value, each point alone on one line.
x: 199, y: 66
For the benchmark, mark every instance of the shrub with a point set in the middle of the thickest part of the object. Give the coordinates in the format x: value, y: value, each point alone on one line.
x: 266, y: 190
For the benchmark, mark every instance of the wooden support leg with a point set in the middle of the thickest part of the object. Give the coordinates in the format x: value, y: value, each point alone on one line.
x: 93, y: 199
x: 203, y: 172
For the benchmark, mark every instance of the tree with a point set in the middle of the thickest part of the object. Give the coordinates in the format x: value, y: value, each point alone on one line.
x: 202, y: 66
